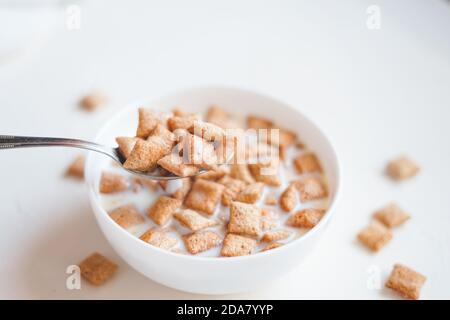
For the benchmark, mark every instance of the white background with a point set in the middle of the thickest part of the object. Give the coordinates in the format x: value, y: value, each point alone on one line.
x: 377, y: 93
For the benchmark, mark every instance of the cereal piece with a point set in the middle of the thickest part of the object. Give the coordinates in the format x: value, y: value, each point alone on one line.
x: 268, y: 224
x: 76, y: 168
x: 97, y: 269
x: 148, y: 120
x: 311, y: 189
x: 241, y: 172
x: 406, y: 282
x: 275, y: 235
x: 214, y: 175
x: 199, y: 152
x: 204, y: 196
x: 235, y: 245
x: 391, y: 215
x: 174, y: 163
x: 207, y: 131
x: 112, y: 182
x: 165, y: 134
x: 232, y: 188
x: 126, y: 145
x: 181, y: 192
x: 266, y: 212
x: 220, y: 118
x: 258, y: 123
x: 402, y: 168
x: 281, y: 138
x: 126, y: 216
x: 193, y: 220
x: 146, y: 154
x: 159, y: 238
x: 289, y: 198
x: 175, y: 123
x: 245, y: 219
x: 375, y: 236
x: 163, y: 209
x: 93, y: 100
x: 306, y: 218
x: 306, y: 163
x: 146, y: 182
x: 251, y: 193
x: 272, y: 246
x: 266, y: 173
x: 271, y: 200
x: 201, y: 241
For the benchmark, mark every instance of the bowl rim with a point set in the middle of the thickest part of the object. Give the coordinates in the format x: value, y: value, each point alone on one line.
x: 259, y: 255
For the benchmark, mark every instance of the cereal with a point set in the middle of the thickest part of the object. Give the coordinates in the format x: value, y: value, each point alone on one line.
x: 146, y: 154
x: 76, y: 168
x: 162, y: 210
x: 214, y: 175
x: 148, y: 120
x: 232, y: 189
x: 245, y: 219
x: 93, y: 100
x: 306, y: 163
x: 241, y: 172
x: 271, y: 246
x: 406, y: 282
x: 289, y: 198
x: 251, y: 193
x: 175, y: 123
x: 311, y: 189
x: 159, y: 238
x: 235, y: 245
x: 146, y: 182
x: 306, y: 218
x: 126, y: 216
x: 266, y: 173
x: 97, y: 269
x: 199, y: 152
x: 268, y: 224
x: 258, y: 123
x: 391, y: 216
x: 271, y: 200
x: 201, y: 241
x: 402, y: 168
x: 182, y: 192
x: 126, y: 145
x: 112, y: 183
x: 174, y: 163
x: 375, y: 236
x: 193, y: 220
x: 163, y: 133
x: 207, y: 131
x: 220, y: 118
x: 204, y: 196
x: 286, y: 138
x: 275, y: 235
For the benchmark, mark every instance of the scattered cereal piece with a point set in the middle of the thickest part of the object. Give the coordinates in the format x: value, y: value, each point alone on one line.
x: 148, y: 120
x: 146, y: 182
x: 76, y: 168
x: 251, y: 193
x: 311, y: 189
x: 235, y: 245
x: 201, y: 241
x: 272, y: 246
x: 232, y: 188
x: 159, y: 238
x: 275, y: 235
x: 182, y: 192
x: 93, y: 100
x: 402, y: 168
x: 174, y: 163
x: 97, y: 269
x: 126, y: 216
x: 241, y: 172
x: 220, y: 118
x: 193, y: 220
x: 204, y: 196
x: 307, y: 162
x: 306, y: 218
x: 126, y: 145
x: 271, y: 200
x: 207, y: 131
x: 258, y: 123
x: 375, y: 236
x: 265, y: 173
x: 289, y: 198
x: 391, y: 215
x: 145, y: 154
x: 175, y: 123
x: 406, y: 282
x: 112, y: 182
x: 245, y: 219
x: 163, y: 209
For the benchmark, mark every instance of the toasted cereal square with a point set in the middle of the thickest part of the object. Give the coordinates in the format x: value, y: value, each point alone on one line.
x: 126, y: 216
x: 204, y: 196
x: 272, y: 246
x: 174, y: 163
x: 112, y: 183
x: 193, y: 220
x: 176, y: 122
x: 271, y: 200
x: 201, y: 241
x: 126, y: 145
x: 199, y: 152
x: 258, y: 123
x: 145, y: 182
x: 275, y: 235
x: 307, y: 162
x: 182, y: 191
x: 220, y: 118
x: 235, y: 245
x: 97, y: 269
x: 159, y: 238
x: 281, y: 138
x: 266, y: 173
x: 375, y: 236
x: 268, y: 224
x: 207, y: 131
x: 391, y: 215
x: 245, y: 219
x: 214, y: 175
x: 406, y: 282
x: 402, y: 168
x: 232, y: 188
x: 148, y: 120
x: 241, y: 172
x: 311, y: 189
x: 289, y: 198
x: 146, y: 154
x: 162, y: 132
x: 306, y: 218
x: 251, y: 193
x: 93, y: 100
x: 76, y: 168
x: 162, y: 210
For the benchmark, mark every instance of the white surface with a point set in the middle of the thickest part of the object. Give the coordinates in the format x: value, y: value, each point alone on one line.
x: 377, y: 93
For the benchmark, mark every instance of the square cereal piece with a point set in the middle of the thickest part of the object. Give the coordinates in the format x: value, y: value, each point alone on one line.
x: 245, y: 219
x: 201, y: 241
x: 76, y: 168
x: 289, y: 198
x: 159, y: 238
x: 266, y: 173
x: 271, y: 200
x: 251, y: 193
x: 391, y: 215
x: 375, y: 236
x: 181, y: 192
x: 174, y: 163
x: 311, y: 189
x: 275, y: 235
x: 146, y: 154
x: 207, y: 131
x: 162, y: 132
x: 272, y: 246
x: 306, y: 218
x: 241, y: 172
x: 126, y: 216
x: 268, y: 223
x: 402, y: 168
x: 283, y: 138
x: 140, y: 181
x: 193, y: 220
x: 220, y: 118
x: 93, y: 100
x: 162, y: 210
x: 199, y: 152
x: 406, y: 282
x: 306, y: 163
x: 112, y: 183
x: 97, y: 269
x: 215, y: 174
x: 126, y: 145
x: 232, y: 188
x: 177, y: 122
x: 235, y: 245
x: 148, y: 120
x: 204, y: 196
x: 258, y: 123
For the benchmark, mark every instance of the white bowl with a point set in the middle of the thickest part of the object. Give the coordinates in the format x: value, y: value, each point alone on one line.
x: 208, y: 275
